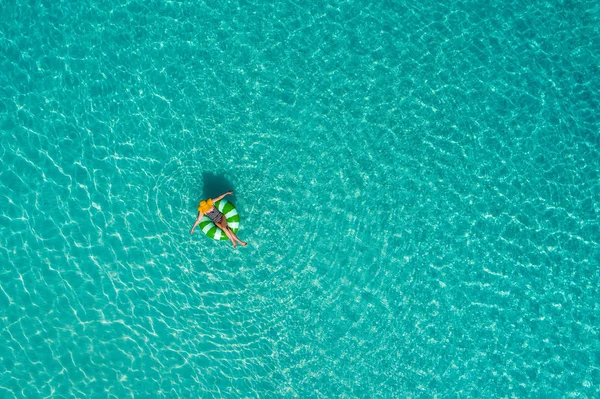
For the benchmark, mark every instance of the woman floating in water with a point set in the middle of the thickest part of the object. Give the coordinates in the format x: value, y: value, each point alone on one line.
x: 207, y: 208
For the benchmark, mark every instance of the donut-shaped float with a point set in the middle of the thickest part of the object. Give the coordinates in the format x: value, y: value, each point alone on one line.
x: 209, y: 228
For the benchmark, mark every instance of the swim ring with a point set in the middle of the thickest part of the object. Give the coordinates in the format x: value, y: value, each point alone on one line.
x: 233, y: 221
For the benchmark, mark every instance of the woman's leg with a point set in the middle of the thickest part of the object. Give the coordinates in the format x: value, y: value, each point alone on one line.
x: 230, y: 234
x: 236, y: 237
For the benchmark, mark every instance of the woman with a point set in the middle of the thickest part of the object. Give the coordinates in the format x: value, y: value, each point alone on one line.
x: 207, y: 208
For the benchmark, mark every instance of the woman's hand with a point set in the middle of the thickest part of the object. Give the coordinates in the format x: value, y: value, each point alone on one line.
x: 220, y: 197
x: 197, y: 222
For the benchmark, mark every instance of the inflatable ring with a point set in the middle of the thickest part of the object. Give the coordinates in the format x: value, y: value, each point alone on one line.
x: 233, y: 221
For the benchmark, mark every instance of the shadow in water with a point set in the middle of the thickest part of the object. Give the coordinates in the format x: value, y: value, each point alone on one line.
x: 215, y: 185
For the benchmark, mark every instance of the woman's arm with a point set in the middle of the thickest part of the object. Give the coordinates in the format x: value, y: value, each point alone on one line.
x: 220, y: 197
x: 200, y: 214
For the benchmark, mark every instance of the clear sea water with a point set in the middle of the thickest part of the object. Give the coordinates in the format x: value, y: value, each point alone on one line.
x: 418, y: 183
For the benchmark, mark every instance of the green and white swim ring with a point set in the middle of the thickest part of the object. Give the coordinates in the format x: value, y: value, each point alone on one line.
x: 233, y: 221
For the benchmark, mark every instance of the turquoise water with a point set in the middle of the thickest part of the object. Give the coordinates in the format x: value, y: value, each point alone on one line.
x: 418, y: 183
